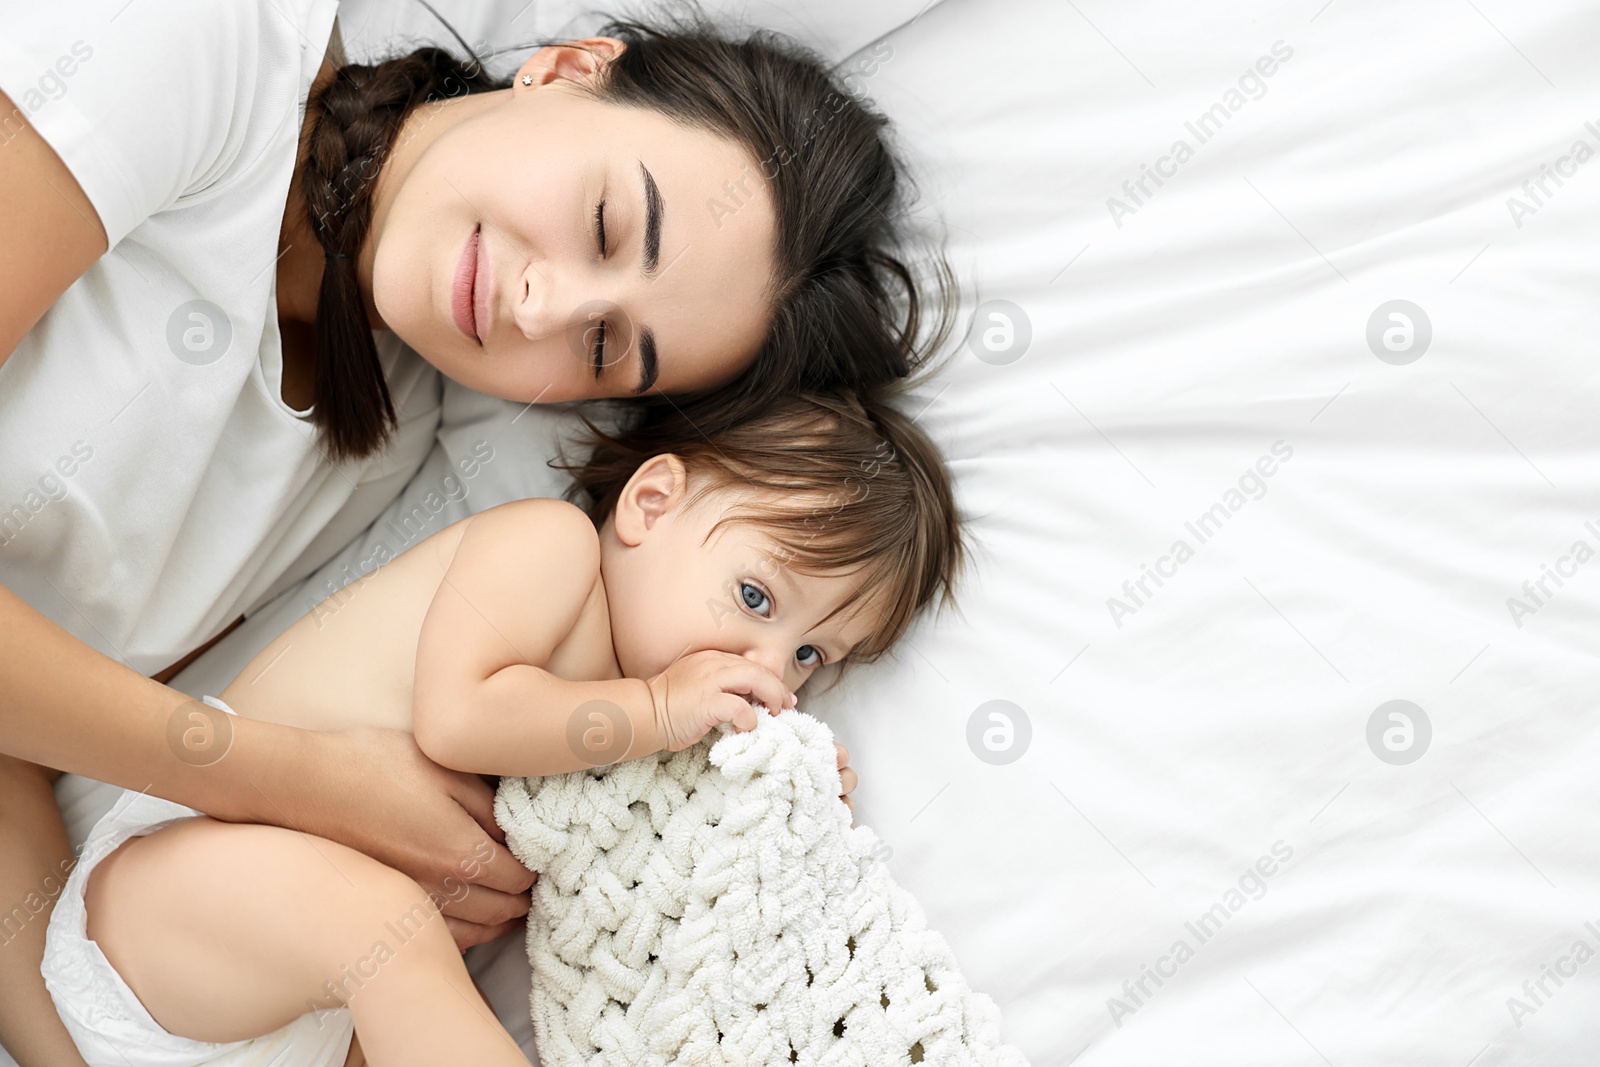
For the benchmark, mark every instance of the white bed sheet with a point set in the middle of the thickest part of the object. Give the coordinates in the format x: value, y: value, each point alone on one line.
x: 1228, y: 714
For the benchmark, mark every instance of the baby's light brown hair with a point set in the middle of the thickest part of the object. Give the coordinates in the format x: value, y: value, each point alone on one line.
x: 841, y: 481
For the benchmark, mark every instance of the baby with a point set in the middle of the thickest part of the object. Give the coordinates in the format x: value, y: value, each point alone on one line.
x: 710, y: 575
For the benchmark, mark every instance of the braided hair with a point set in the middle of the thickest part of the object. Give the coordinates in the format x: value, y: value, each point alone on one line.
x: 845, y: 312
x: 360, y: 113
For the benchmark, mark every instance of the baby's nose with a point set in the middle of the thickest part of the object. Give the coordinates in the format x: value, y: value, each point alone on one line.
x: 771, y: 659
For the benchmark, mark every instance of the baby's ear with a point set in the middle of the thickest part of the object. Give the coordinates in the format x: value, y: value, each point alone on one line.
x: 659, y: 485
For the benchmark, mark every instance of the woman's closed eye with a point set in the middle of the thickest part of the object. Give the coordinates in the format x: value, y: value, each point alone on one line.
x: 599, y: 348
x: 599, y: 351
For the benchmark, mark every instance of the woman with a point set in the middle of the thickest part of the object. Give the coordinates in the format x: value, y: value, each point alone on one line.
x: 655, y: 213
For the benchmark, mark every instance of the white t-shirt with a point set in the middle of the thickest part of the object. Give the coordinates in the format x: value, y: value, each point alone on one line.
x: 153, y: 483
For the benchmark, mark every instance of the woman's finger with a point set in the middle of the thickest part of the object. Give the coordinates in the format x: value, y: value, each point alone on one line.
x: 466, y: 934
x: 848, y: 780
x: 480, y: 906
x: 493, y: 867
x: 844, y: 755
x: 477, y: 796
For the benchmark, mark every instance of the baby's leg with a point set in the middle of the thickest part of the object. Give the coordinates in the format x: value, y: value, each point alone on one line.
x: 228, y: 931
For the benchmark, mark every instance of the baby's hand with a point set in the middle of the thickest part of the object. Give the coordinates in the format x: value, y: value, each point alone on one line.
x: 706, y: 688
x: 848, y: 779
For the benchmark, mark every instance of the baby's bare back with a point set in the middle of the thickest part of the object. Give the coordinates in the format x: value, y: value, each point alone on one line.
x: 350, y: 661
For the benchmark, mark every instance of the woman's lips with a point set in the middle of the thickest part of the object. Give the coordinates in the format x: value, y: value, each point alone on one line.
x: 482, y: 291
x: 463, y: 296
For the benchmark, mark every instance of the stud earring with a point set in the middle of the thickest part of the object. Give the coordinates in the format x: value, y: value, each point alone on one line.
x: 527, y: 79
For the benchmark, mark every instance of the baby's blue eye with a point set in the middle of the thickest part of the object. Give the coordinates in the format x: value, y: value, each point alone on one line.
x: 809, y: 656
x: 755, y: 598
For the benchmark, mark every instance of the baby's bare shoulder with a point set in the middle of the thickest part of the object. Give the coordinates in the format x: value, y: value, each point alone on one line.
x: 544, y: 542
x: 537, y: 522
x: 514, y: 588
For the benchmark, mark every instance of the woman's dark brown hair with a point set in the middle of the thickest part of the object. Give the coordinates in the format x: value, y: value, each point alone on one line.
x: 846, y: 309
x: 841, y: 481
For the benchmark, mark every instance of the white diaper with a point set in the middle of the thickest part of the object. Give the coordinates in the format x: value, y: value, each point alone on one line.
x: 108, y: 1023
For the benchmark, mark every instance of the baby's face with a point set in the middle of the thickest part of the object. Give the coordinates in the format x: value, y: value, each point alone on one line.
x: 674, y: 588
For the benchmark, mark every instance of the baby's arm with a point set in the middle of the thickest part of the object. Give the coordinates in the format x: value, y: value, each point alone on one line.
x: 520, y: 579
x: 523, y: 576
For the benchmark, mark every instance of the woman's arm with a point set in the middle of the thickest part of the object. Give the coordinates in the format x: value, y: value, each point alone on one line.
x: 49, y: 233
x: 35, y: 859
x: 65, y: 706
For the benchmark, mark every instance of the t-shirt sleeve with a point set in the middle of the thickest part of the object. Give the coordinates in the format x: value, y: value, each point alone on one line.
x: 137, y: 97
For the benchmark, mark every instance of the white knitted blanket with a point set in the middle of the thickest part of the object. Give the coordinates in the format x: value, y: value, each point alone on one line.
x: 714, y: 906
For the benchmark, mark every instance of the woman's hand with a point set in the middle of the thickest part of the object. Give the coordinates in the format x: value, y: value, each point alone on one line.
x: 377, y: 792
x: 66, y: 706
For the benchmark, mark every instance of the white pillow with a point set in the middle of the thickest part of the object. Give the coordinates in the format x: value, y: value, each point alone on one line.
x: 835, y: 28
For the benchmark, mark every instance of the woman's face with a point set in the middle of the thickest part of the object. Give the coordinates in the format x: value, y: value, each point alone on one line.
x: 488, y: 252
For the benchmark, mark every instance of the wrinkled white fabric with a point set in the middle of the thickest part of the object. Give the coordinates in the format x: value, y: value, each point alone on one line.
x: 715, y: 906
x: 154, y: 484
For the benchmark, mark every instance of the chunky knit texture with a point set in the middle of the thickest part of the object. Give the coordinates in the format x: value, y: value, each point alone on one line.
x: 714, y: 906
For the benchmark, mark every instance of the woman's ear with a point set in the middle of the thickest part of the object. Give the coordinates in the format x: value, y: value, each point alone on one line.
x: 659, y: 485
x: 573, y: 61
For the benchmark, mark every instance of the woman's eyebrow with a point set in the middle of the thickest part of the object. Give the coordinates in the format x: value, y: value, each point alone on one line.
x: 650, y: 256
x: 648, y: 368
x: 653, y: 210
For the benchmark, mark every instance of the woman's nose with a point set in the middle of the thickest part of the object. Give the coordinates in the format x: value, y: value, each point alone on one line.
x: 537, y: 305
